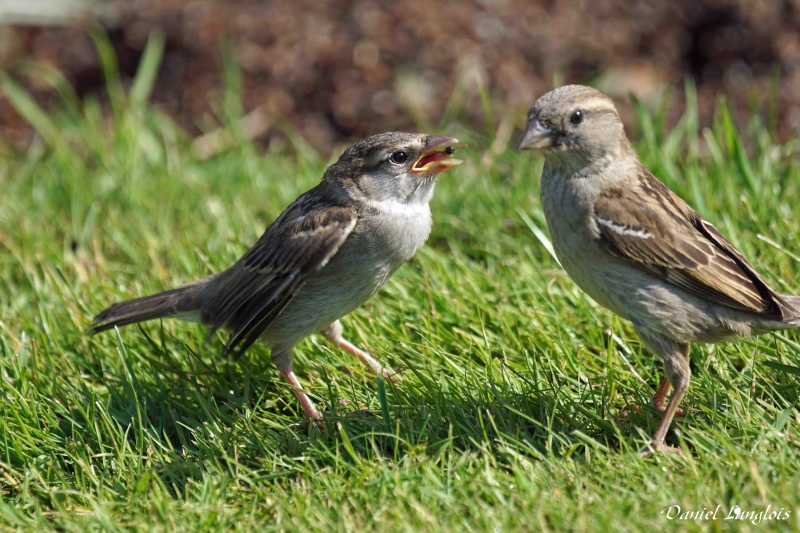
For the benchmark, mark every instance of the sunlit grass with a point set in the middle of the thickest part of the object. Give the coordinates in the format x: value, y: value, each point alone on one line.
x: 506, y: 416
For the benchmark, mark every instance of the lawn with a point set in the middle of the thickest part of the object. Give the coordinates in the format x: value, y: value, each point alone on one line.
x: 506, y: 415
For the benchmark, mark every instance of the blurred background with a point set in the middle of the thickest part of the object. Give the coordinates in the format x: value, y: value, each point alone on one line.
x: 338, y: 70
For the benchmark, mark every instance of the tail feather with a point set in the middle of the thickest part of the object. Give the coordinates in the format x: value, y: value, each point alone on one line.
x: 180, y: 301
x: 794, y: 302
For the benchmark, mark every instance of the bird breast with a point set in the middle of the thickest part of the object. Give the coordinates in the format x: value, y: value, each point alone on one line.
x: 381, y: 241
x: 397, y: 229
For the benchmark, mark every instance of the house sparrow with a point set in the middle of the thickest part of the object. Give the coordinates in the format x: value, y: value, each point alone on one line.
x: 637, y: 248
x: 323, y: 257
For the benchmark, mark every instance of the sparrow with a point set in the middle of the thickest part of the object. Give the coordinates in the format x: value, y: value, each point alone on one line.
x: 637, y: 248
x: 322, y: 258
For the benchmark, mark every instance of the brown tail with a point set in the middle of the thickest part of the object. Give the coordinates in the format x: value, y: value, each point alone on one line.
x: 181, y: 301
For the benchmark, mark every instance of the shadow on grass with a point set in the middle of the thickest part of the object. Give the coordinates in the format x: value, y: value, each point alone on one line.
x: 167, y: 412
x: 186, y: 420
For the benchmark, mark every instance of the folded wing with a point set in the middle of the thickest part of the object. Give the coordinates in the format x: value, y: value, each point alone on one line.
x: 653, y: 228
x: 251, y: 294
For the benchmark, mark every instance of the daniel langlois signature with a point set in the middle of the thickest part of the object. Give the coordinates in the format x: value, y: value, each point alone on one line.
x: 676, y: 512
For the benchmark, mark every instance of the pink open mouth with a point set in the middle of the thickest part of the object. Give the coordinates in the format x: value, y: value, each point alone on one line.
x: 436, y: 162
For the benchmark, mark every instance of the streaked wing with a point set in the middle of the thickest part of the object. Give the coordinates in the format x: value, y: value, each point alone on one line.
x: 651, y: 226
x: 252, y: 293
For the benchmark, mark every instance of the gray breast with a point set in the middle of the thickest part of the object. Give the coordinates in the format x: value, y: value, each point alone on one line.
x: 377, y: 247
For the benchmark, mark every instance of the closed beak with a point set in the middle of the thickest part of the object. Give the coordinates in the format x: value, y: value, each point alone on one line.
x: 537, y: 136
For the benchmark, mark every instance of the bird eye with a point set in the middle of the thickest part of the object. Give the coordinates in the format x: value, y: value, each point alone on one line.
x: 577, y: 117
x: 399, y: 158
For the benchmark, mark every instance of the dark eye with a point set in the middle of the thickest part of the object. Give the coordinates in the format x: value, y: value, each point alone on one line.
x: 399, y: 158
x: 577, y: 117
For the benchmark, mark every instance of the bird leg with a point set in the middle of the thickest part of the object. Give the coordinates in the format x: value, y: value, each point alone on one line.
x: 676, y: 365
x: 283, y: 360
x: 305, y: 401
x: 659, y: 399
x: 334, y: 334
x: 657, y: 442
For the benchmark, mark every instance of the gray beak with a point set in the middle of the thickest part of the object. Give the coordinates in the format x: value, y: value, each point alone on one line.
x: 536, y: 136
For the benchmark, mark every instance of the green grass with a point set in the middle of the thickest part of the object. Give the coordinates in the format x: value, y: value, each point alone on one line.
x: 506, y: 417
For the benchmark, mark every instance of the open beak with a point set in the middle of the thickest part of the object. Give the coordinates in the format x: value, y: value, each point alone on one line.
x: 438, y: 156
x: 537, y: 136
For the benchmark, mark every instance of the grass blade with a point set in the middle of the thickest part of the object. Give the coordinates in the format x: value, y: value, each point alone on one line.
x: 26, y: 106
x: 147, y: 72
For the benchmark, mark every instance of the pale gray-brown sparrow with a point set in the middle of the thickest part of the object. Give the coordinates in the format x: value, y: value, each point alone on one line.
x: 637, y: 248
x: 323, y: 257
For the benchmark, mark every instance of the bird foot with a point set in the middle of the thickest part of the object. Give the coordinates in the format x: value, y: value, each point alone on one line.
x: 658, y: 404
x: 303, y: 425
x: 394, y: 374
x: 361, y: 413
x: 656, y: 447
x: 334, y: 334
x: 623, y: 414
x: 388, y: 373
x: 320, y: 422
x: 358, y: 412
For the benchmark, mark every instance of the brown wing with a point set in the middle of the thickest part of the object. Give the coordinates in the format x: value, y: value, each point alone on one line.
x: 251, y: 294
x: 650, y: 226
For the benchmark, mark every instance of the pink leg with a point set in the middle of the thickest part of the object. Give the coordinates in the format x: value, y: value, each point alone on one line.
x: 676, y: 365
x: 657, y: 444
x: 334, y: 334
x: 305, y: 401
x: 659, y: 399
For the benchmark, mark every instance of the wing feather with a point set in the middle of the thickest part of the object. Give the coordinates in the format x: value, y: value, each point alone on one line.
x: 251, y: 294
x: 654, y: 229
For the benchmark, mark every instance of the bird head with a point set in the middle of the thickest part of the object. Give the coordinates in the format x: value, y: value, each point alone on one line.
x: 574, y: 125
x: 401, y: 167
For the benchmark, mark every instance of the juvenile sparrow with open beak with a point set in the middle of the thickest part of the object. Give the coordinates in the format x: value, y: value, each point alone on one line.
x: 638, y: 249
x: 323, y: 257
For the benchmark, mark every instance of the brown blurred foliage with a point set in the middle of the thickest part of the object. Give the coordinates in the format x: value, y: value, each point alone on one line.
x: 342, y: 69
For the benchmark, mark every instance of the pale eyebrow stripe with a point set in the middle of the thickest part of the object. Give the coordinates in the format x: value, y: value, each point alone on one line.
x: 601, y: 111
x: 598, y: 106
x: 595, y: 104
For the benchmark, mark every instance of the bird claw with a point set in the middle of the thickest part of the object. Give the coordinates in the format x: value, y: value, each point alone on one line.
x: 357, y: 412
x: 320, y: 423
x: 393, y: 375
x: 361, y: 413
x: 659, y: 406
x: 623, y: 414
x: 388, y: 373
x: 303, y: 425
x: 653, y: 447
